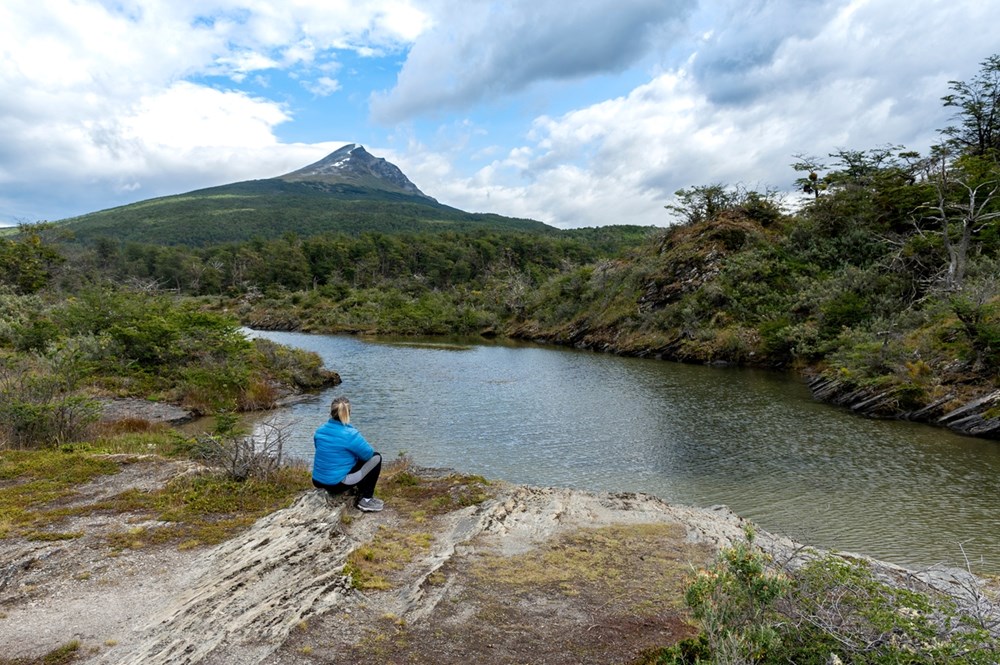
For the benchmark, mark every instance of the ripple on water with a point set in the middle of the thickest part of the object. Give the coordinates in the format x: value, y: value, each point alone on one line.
x: 752, y: 440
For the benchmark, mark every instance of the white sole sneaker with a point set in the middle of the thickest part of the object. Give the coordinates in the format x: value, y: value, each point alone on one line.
x: 370, y: 505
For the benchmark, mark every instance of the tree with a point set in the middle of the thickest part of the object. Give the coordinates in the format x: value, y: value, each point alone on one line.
x: 702, y: 202
x: 978, y: 104
x: 966, y: 195
x: 705, y: 202
x: 27, y: 263
x: 811, y: 183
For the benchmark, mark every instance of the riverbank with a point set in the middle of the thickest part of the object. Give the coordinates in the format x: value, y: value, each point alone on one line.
x: 960, y: 404
x: 456, y: 569
x: 943, y: 392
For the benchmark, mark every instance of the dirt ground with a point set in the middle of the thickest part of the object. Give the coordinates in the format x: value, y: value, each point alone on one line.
x: 486, y: 572
x: 54, y: 592
x: 587, y: 596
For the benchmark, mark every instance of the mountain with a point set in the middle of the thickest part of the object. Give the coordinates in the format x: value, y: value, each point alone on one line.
x: 353, y: 165
x: 348, y: 191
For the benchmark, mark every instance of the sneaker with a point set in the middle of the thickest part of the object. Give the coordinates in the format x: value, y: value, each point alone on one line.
x: 371, y: 505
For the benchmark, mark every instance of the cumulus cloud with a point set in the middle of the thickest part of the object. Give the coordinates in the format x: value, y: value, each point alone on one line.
x: 99, y: 100
x: 867, y: 74
x: 324, y: 86
x: 483, y: 50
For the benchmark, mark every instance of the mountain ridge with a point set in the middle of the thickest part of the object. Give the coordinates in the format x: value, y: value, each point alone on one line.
x: 348, y: 191
x: 352, y: 164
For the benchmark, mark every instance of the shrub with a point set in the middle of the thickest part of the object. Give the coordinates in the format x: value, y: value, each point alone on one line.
x: 258, y: 455
x: 37, y: 406
x: 839, y: 606
x: 733, y: 600
x: 829, y: 610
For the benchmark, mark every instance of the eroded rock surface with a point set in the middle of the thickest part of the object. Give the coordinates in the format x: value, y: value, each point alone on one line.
x: 523, y: 575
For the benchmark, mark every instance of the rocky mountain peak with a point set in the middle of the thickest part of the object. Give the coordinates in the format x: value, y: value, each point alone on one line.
x: 353, y: 165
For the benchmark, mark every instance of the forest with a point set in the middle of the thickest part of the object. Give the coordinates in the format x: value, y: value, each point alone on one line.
x: 880, y: 275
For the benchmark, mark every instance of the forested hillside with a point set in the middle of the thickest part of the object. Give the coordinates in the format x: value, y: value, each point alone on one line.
x: 884, y: 282
x: 271, y: 208
x: 881, y: 280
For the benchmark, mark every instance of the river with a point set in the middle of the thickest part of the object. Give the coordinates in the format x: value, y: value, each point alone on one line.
x: 753, y: 440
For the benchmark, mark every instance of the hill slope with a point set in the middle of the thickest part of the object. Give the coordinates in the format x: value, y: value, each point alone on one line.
x: 348, y: 191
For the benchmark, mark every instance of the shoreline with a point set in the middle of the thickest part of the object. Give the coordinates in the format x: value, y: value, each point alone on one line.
x: 971, y: 414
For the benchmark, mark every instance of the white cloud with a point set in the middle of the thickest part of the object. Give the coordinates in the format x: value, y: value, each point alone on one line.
x: 855, y: 76
x: 238, y: 65
x: 96, y: 98
x: 324, y: 86
x: 187, y: 115
x: 483, y: 50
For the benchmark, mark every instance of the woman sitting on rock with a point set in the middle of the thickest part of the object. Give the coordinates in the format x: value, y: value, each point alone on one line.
x: 344, y: 460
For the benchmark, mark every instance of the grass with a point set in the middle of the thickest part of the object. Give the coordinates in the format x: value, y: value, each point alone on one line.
x: 207, y: 509
x: 63, y: 655
x: 371, y: 566
x: 416, y: 500
x: 54, y: 466
x: 37, y: 488
x: 52, y: 536
x: 32, y: 480
x: 144, y: 439
x: 618, y: 563
x: 420, y: 498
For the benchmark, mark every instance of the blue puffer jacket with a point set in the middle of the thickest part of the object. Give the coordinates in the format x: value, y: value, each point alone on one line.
x: 338, y: 448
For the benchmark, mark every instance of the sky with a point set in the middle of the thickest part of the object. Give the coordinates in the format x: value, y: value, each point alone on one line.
x: 574, y: 113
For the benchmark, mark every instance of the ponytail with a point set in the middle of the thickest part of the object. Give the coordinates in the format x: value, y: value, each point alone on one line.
x: 340, y: 410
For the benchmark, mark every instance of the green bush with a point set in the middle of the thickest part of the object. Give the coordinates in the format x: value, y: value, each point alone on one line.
x: 37, y: 407
x: 845, y: 310
x: 829, y: 610
x: 733, y: 600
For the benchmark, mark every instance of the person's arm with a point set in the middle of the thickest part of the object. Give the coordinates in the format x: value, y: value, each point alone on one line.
x: 360, y: 447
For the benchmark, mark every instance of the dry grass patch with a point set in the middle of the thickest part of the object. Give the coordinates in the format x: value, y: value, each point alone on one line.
x: 371, y: 566
x: 40, y: 491
x: 416, y: 498
x: 32, y: 480
x: 639, y: 566
x: 64, y: 655
x: 419, y: 496
x: 598, y: 595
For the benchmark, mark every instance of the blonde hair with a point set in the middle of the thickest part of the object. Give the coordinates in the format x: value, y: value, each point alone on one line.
x: 340, y: 409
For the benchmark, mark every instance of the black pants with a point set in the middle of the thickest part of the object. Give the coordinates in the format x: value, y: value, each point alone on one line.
x: 362, y: 478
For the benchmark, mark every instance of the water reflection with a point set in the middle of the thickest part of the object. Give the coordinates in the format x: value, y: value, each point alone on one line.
x: 753, y: 440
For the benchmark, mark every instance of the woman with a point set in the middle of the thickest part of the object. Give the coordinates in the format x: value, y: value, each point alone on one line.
x: 344, y: 460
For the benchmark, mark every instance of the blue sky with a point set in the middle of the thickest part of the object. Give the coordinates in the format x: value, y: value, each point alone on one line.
x: 575, y: 113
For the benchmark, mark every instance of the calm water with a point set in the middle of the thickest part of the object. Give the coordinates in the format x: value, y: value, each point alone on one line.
x: 752, y: 440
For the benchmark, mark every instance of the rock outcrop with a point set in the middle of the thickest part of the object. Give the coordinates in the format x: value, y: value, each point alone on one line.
x: 974, y: 417
x: 260, y: 588
x: 474, y: 571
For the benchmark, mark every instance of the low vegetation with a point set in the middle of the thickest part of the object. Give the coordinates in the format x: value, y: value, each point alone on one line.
x: 416, y: 499
x: 830, y: 610
x: 60, y: 355
x: 64, y: 655
x: 616, y: 565
x: 39, y: 490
